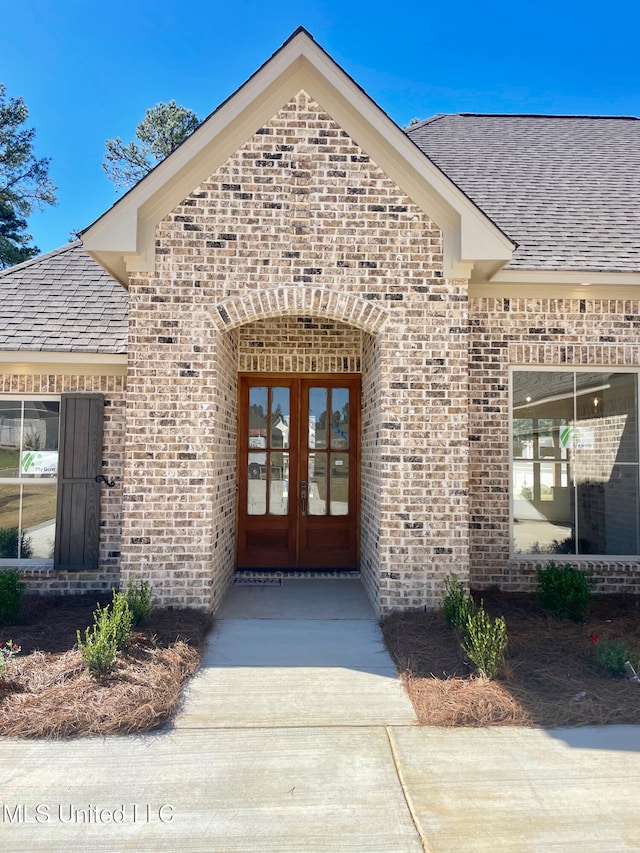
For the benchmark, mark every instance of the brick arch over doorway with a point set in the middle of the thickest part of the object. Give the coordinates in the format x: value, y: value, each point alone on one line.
x: 296, y: 300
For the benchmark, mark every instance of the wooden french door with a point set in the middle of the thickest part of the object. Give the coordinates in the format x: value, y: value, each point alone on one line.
x: 298, y: 472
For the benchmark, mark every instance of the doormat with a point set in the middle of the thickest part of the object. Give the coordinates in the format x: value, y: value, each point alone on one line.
x: 257, y: 581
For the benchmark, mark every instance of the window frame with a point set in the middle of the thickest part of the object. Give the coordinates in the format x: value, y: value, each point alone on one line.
x: 34, y: 562
x: 574, y: 369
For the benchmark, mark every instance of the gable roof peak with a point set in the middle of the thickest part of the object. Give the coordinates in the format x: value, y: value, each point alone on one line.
x: 123, y: 239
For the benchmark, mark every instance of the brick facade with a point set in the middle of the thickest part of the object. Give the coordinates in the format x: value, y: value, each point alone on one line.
x: 299, y: 255
x: 298, y: 230
x: 528, y: 332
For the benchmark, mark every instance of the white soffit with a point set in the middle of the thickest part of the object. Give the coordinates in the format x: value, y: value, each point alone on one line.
x: 123, y: 239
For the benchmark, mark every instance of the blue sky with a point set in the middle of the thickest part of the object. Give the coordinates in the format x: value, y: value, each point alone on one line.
x: 89, y: 70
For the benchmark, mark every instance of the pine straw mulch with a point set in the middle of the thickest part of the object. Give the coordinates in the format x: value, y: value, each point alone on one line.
x: 46, y: 691
x: 550, y: 680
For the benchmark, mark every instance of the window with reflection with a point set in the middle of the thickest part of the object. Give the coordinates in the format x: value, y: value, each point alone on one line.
x: 328, y: 473
x: 268, y: 457
x: 575, y: 480
x: 28, y: 477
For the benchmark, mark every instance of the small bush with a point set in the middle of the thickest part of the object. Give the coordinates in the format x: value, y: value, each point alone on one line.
x: 140, y: 602
x: 111, y: 632
x: 611, y: 655
x: 457, y: 603
x: 119, y: 620
x: 9, y: 544
x: 485, y: 641
x: 564, y: 591
x: 98, y: 649
x: 11, y: 593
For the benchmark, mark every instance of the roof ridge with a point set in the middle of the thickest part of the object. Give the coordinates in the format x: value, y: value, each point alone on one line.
x: 38, y: 258
x: 424, y: 121
x: 545, y: 115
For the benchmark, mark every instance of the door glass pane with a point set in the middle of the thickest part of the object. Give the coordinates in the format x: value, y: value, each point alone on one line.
x: 279, y: 479
x: 257, y: 465
x: 258, y: 408
x: 9, y: 517
x: 317, y: 501
x: 339, y: 484
x: 339, y: 418
x: 10, y: 420
x: 257, y: 484
x: 38, y: 520
x: 280, y: 418
x: 318, y: 418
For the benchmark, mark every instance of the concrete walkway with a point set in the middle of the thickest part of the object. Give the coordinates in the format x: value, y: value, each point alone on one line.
x: 307, y: 653
x: 297, y: 737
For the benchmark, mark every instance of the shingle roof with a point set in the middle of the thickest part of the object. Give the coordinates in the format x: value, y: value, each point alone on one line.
x: 566, y: 189
x: 62, y: 302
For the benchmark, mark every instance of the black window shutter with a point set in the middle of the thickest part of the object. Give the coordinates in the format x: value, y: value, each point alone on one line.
x: 80, y: 461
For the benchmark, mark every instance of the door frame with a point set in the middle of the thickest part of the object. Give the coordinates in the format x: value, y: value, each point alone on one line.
x: 242, y: 473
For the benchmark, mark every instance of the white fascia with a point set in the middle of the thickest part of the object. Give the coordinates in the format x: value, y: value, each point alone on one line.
x: 123, y: 239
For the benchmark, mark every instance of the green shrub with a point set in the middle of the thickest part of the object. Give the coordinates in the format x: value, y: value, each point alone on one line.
x: 611, y: 655
x: 140, y: 603
x: 98, y: 649
x: 11, y: 593
x: 9, y: 544
x: 564, y: 591
x: 485, y: 641
x: 111, y: 632
x: 119, y: 620
x: 457, y: 603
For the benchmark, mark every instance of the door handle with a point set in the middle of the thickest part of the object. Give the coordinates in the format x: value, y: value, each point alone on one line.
x: 303, y: 498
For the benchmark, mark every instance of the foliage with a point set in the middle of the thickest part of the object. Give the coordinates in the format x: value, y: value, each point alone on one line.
x: 557, y: 546
x: 482, y: 639
x: 111, y: 632
x: 564, y: 591
x: 14, y: 248
x: 140, y: 603
x: 485, y: 641
x: 120, y: 620
x: 7, y: 651
x: 11, y: 593
x: 9, y: 544
x: 98, y: 649
x: 457, y: 603
x: 162, y: 129
x: 24, y: 181
x: 611, y: 655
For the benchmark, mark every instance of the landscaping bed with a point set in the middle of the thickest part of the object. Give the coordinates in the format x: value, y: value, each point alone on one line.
x: 551, y: 677
x: 47, y: 692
